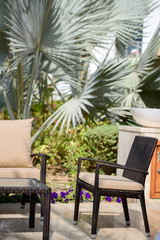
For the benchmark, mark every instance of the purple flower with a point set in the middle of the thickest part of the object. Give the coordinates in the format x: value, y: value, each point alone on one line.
x: 101, y: 133
x: 53, y: 201
x: 37, y: 197
x: 63, y: 195
x: 54, y: 195
x: 70, y: 190
x: 118, y: 200
x: 109, y: 199
x: 109, y: 133
x: 88, y: 196
x: 66, y: 200
x: 82, y: 192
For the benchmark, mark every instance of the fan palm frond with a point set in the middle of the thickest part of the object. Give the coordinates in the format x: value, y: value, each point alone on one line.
x: 149, y: 71
x: 3, y: 14
x: 63, y: 29
x: 4, y: 50
x: 142, y: 86
x: 94, y: 98
x: 61, y: 35
x: 7, y: 94
x: 149, y: 60
x: 149, y: 89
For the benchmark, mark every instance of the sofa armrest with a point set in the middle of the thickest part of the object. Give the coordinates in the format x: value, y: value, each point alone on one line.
x: 43, y: 157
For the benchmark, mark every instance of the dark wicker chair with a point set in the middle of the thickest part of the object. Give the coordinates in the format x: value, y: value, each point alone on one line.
x: 129, y: 185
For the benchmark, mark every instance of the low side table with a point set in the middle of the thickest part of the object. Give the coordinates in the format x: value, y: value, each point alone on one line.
x: 30, y: 186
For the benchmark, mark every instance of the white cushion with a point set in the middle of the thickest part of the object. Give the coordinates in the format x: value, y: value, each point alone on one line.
x: 15, y: 143
x: 20, y: 173
x: 111, y: 182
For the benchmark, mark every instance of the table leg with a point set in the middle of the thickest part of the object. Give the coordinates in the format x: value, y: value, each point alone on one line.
x: 32, y: 211
x: 46, y: 223
x: 23, y: 201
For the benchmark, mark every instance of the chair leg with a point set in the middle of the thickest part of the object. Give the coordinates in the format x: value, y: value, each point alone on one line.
x: 42, y: 207
x: 144, y: 212
x: 77, y: 200
x: 125, y: 209
x: 96, y: 204
x: 23, y: 200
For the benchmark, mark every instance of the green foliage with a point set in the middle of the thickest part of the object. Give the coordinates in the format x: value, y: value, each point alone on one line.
x: 12, y: 198
x: 40, y: 112
x: 98, y: 142
x: 103, y: 142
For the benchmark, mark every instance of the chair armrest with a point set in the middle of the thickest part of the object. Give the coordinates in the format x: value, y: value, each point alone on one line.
x: 92, y: 160
x: 107, y: 164
x: 122, y: 167
x: 43, y: 158
x: 97, y: 160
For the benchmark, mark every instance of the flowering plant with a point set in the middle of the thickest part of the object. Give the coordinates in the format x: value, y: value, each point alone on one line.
x: 64, y: 196
x: 69, y: 195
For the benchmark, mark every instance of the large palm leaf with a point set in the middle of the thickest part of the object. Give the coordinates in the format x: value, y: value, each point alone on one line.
x: 149, y: 60
x: 92, y: 100
x: 4, y: 50
x: 142, y: 86
x: 149, y: 70
x: 3, y: 41
x: 63, y: 30
x: 7, y: 95
x: 60, y: 34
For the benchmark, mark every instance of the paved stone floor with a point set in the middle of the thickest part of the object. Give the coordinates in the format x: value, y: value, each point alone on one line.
x: 111, y: 225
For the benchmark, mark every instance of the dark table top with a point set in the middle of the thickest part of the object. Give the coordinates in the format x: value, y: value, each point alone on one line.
x: 24, y: 183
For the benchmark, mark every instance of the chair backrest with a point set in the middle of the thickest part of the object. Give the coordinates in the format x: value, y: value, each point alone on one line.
x: 140, y: 157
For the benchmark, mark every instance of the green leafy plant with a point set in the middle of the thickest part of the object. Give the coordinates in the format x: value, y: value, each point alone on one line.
x: 64, y: 150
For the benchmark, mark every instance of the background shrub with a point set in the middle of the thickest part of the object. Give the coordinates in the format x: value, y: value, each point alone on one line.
x: 98, y: 142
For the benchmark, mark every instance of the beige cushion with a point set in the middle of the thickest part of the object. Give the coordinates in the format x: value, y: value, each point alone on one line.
x: 15, y: 143
x: 111, y: 182
x: 20, y: 173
